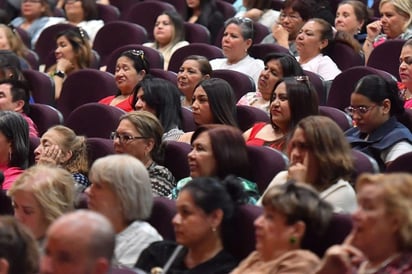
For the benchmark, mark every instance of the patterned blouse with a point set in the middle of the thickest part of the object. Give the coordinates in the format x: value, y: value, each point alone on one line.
x: 162, y: 180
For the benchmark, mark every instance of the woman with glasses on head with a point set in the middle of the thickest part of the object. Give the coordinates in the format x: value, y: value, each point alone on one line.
x: 139, y: 134
x: 319, y: 155
x: 292, y: 99
x: 277, y: 66
x: 405, y: 73
x: 236, y: 41
x: 131, y: 68
x: 73, y: 52
x: 293, y: 15
x: 168, y: 33
x: 374, y: 105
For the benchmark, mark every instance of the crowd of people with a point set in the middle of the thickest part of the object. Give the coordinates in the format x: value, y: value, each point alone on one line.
x: 71, y: 213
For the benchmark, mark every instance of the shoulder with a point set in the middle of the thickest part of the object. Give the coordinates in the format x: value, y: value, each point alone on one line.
x: 107, y: 100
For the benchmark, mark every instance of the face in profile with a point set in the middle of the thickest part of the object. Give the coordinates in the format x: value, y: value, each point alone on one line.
x: 405, y: 67
x: 51, y: 138
x: 201, y: 160
x: 309, y: 40
x: 4, y: 41
x: 164, y: 30
x: 5, y: 148
x: 141, y: 102
x: 279, y: 107
x: 6, y: 99
x: 202, y: 114
x: 188, y: 77
x: 126, y: 76
x: 64, y: 49
x: 346, y: 20
x: 102, y: 199
x: 269, y: 76
x: 392, y: 21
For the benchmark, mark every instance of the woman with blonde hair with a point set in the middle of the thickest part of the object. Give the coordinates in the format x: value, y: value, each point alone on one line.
x: 41, y: 195
x: 12, y: 41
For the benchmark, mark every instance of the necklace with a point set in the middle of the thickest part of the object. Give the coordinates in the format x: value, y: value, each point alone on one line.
x: 405, y: 95
x: 363, y: 269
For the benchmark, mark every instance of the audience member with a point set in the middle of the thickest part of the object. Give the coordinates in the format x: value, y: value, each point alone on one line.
x: 405, y: 73
x: 40, y: 195
x: 139, y: 134
x: 12, y: 41
x: 380, y: 241
x: 395, y: 23
x: 292, y: 99
x: 121, y: 191
x: 320, y: 156
x: 313, y: 38
x: 205, y: 12
x: 14, y: 146
x: 219, y: 151
x: 15, y: 96
x: 18, y: 249
x: 351, y: 17
x: 60, y: 146
x: 79, y: 242
x: 374, y: 105
x: 213, y: 102
x: 131, y: 68
x: 194, y: 69
x: 293, y: 15
x: 292, y: 212
x: 204, y: 209
x: 169, y: 35
x: 72, y: 53
x: 161, y: 98
x: 259, y: 11
x: 236, y: 41
x: 277, y: 66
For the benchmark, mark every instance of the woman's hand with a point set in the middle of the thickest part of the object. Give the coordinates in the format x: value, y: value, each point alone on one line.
x: 64, y: 65
x: 281, y: 35
x: 253, y: 14
x: 373, y: 29
x: 297, y: 171
x: 51, y: 155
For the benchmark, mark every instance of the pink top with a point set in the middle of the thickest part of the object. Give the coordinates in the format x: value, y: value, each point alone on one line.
x: 10, y: 175
x: 126, y: 104
x: 33, y: 132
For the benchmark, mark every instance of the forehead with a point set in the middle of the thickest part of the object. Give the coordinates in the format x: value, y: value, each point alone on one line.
x: 281, y: 88
x: 370, y: 191
x: 125, y: 60
x: 299, y: 135
x: 191, y: 64
x: 126, y: 124
x: 359, y: 99
x: 6, y: 88
x: 163, y: 17
x: 233, y: 28
x: 312, y: 25
x: 199, y: 91
x: 63, y: 39
x: 407, y: 50
x: 202, y: 138
x: 346, y: 8
x: 52, y: 135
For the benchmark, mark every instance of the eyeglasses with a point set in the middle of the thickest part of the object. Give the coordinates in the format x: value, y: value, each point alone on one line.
x: 361, y: 110
x: 124, y: 138
x: 293, y: 17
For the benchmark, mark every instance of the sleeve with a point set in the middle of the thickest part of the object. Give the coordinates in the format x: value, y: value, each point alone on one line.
x: 328, y: 69
x: 393, y: 152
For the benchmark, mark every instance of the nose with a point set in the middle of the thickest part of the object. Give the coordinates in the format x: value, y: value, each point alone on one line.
x: 139, y: 104
x: 176, y: 219
x: 356, y: 116
x: 258, y: 221
x: 195, y: 105
x: 38, y: 150
x: 191, y: 155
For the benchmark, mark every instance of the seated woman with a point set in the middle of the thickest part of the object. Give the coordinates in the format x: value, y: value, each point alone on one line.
x: 139, y: 134
x: 121, y: 192
x: 213, y: 102
x: 351, y: 17
x: 405, y: 73
x: 384, y: 208
x: 292, y: 99
x: 293, y: 15
x: 219, y: 151
x: 211, y: 204
x: 259, y: 11
x: 131, y: 68
x: 41, y: 195
x: 395, y: 23
x: 236, y: 41
x: 374, y: 105
x: 168, y: 34
x: 194, y: 69
x: 292, y: 212
x: 73, y: 52
x: 161, y: 98
x: 320, y: 156
x: 277, y: 66
x: 14, y: 155
x: 205, y: 12
x: 313, y: 38
x: 12, y: 41
x: 60, y: 146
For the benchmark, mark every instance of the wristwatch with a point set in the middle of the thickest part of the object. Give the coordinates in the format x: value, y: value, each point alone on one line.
x: 59, y: 73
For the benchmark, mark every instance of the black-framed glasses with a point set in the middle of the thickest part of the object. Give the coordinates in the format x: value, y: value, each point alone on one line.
x: 294, y: 17
x: 124, y: 138
x: 361, y: 110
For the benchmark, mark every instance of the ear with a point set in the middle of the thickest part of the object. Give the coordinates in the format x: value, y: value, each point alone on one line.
x: 4, y: 266
x: 249, y: 43
x: 298, y: 230
x: 149, y: 145
x: 324, y: 43
x: 18, y: 106
x: 142, y: 73
x: 66, y: 156
x: 206, y: 76
x: 386, y: 104
x: 215, y: 218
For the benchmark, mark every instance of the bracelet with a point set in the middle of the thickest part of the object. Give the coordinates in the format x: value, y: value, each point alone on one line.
x: 369, y: 40
x: 59, y: 73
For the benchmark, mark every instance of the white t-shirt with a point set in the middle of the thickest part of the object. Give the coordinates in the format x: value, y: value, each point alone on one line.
x: 323, y: 66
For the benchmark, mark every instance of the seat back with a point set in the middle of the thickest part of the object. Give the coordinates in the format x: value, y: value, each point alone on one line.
x: 123, y: 5
x: 318, y: 84
x: 386, y: 57
x: 78, y: 89
x: 153, y: 57
x: 164, y: 74
x: 33, y: 144
x: 406, y: 118
x: 44, y: 117
x: 94, y: 120
x: 343, y: 120
x: 188, y: 123
x: 363, y: 163
x: 108, y: 13
x: 241, y: 83
x: 267, y: 162
x: 116, y: 34
x: 175, y: 158
x: 98, y: 148
x: 401, y: 164
x: 344, y: 56
x: 163, y: 212
x: 226, y: 9
x: 196, y: 33
x: 247, y: 116
x: 41, y: 86
x: 33, y: 59
x: 180, y: 6
x: 24, y: 36
x: 209, y: 51
x: 260, y: 51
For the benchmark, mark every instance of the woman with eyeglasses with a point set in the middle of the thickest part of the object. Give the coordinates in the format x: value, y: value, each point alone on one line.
x: 405, y: 73
x: 73, y: 52
x: 292, y: 213
x: 319, y: 155
x: 131, y: 68
x: 139, y: 134
x: 374, y: 105
x: 293, y: 15
x: 292, y: 99
x: 236, y: 41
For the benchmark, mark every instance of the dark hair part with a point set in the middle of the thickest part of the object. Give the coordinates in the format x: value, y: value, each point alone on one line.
x: 290, y: 66
x: 229, y: 149
x: 16, y: 130
x: 305, y: 8
x: 222, y: 101
x: 205, y: 67
x: 377, y: 88
x: 19, y: 91
x: 164, y: 97
x: 245, y: 25
x: 80, y: 42
x: 18, y: 247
